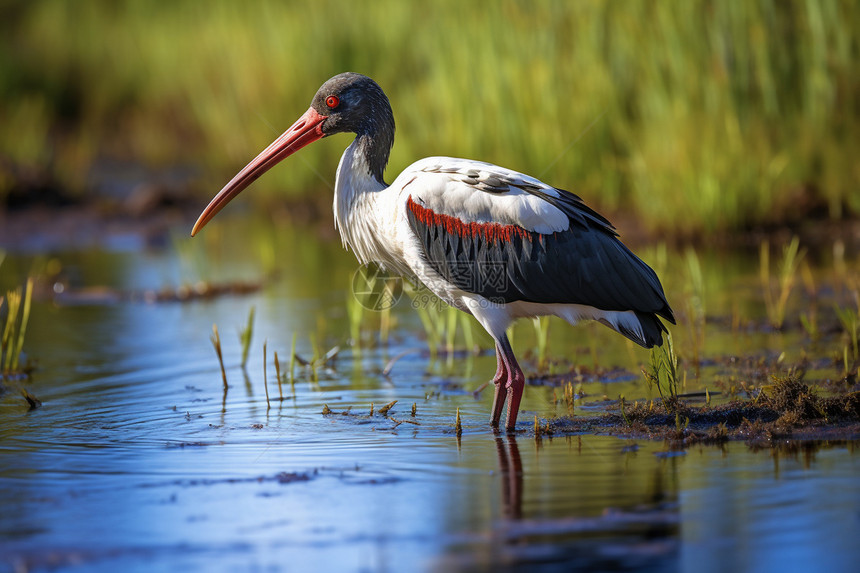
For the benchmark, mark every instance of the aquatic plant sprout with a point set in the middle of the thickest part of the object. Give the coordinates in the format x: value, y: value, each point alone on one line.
x: 695, y: 305
x: 278, y: 376
x: 265, y: 378
x: 216, y: 343
x: 293, y: 364
x: 776, y: 303
x: 541, y: 325
x: 662, y: 372
x: 245, y: 336
x: 355, y: 312
x: 17, y: 304
x: 850, y: 320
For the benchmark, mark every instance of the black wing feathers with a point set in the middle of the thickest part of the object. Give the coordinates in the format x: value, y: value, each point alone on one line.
x: 586, y: 264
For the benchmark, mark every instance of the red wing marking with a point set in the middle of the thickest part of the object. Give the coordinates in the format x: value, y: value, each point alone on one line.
x: 491, y: 232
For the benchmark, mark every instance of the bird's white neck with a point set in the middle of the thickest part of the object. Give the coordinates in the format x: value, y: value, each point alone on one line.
x: 356, y: 206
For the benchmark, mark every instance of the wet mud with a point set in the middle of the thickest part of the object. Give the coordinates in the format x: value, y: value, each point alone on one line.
x: 786, y: 410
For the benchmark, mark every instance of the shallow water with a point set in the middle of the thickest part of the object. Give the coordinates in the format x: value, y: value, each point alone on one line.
x: 138, y: 460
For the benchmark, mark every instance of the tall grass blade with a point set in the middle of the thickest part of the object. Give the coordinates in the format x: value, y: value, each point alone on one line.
x: 662, y: 372
x: 216, y: 343
x: 278, y: 376
x: 245, y: 336
x: 13, y: 302
x: 265, y: 377
x: 22, y: 328
x: 695, y: 303
x: 776, y: 302
x: 541, y: 325
x: 293, y: 363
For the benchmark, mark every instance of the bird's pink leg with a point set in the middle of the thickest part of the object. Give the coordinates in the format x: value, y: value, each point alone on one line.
x: 515, y: 382
x: 501, y: 390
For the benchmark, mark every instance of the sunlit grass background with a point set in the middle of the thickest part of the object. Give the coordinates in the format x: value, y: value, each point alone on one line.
x: 698, y: 117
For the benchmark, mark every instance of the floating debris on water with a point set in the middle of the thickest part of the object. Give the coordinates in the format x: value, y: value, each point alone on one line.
x: 384, y: 410
x: 31, y: 400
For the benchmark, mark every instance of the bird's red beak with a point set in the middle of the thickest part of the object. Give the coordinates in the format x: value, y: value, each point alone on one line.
x: 305, y: 131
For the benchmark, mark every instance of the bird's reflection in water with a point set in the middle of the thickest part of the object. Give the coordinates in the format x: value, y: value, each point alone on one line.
x: 511, y: 468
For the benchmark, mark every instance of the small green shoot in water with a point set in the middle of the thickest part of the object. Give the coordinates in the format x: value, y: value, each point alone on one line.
x: 468, y: 336
x: 850, y: 321
x: 429, y: 329
x: 695, y: 303
x: 809, y: 321
x: 355, y: 310
x: 216, y: 342
x: 245, y: 336
x: 371, y: 408
x: 315, y: 360
x: 775, y: 304
x: 458, y: 426
x: 541, y: 325
x: 450, y: 330
x: 385, y: 314
x: 265, y: 380
x: 438, y: 318
x: 293, y: 364
x: 570, y: 396
x: 623, y: 413
x: 278, y: 376
x: 12, y: 342
x: 414, y: 408
x: 326, y: 410
x: 663, y: 372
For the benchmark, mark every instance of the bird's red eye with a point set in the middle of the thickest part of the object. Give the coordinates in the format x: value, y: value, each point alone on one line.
x: 332, y: 101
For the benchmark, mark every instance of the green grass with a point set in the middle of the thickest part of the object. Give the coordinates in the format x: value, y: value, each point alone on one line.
x: 776, y: 300
x: 442, y: 324
x: 541, y: 326
x: 849, y: 318
x: 700, y: 116
x: 216, y: 344
x: 245, y: 336
x: 14, y: 316
x: 694, y: 304
x: 662, y: 372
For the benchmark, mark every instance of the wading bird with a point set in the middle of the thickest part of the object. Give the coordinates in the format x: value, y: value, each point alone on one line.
x: 489, y: 241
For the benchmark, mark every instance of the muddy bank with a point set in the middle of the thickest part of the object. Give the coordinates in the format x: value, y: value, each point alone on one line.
x: 786, y: 411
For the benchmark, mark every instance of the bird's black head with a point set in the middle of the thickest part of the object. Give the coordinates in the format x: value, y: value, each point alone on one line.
x: 353, y: 103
